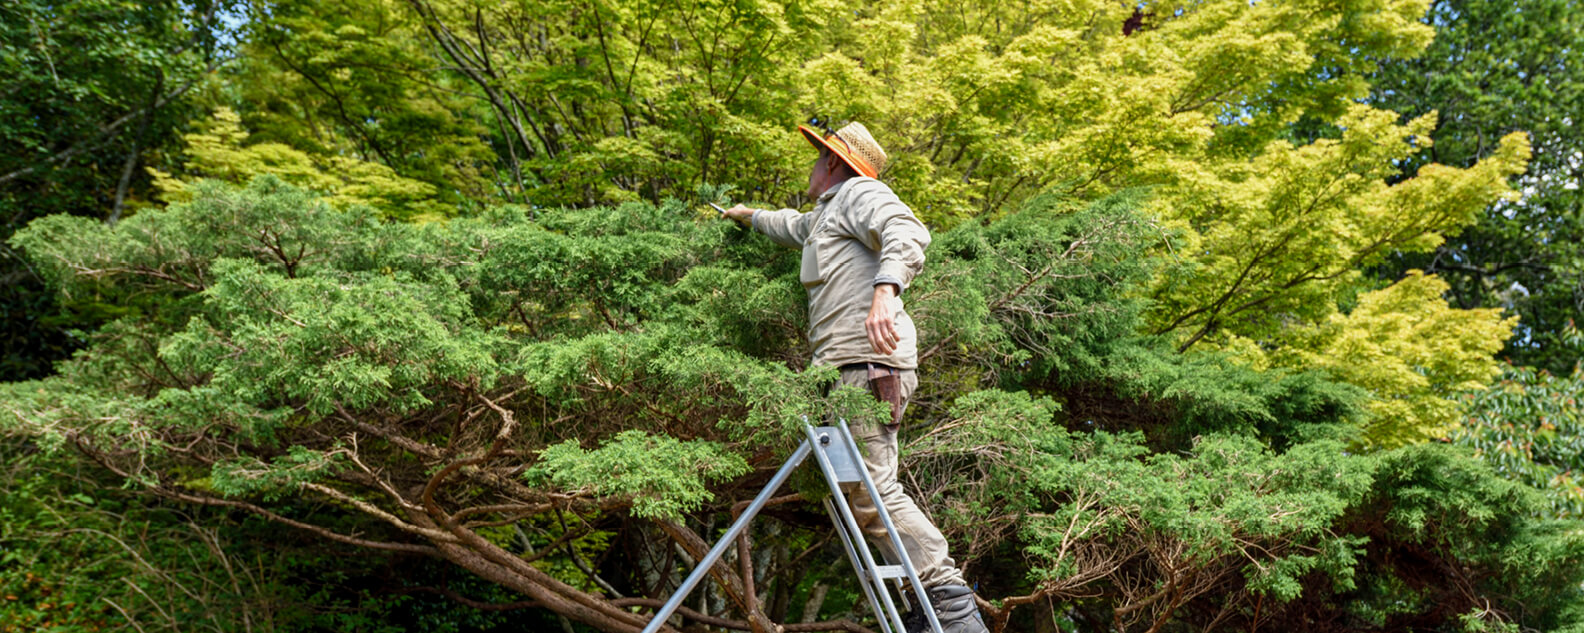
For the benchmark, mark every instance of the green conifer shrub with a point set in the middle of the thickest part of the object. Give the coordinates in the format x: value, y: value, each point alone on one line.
x: 562, y: 401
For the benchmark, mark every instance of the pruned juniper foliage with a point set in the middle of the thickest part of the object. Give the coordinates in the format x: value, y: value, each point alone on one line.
x: 566, y: 403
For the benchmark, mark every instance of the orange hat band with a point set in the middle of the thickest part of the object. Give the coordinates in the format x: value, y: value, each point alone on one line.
x: 839, y: 146
x: 852, y: 159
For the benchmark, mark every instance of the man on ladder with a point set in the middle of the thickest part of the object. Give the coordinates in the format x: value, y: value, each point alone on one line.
x: 861, y: 247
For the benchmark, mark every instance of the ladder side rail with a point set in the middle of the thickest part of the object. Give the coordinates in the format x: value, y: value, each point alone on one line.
x: 857, y: 565
x: 921, y: 597
x: 847, y: 517
x: 729, y: 538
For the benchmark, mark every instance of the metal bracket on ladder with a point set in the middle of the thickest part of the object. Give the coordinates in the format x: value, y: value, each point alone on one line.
x: 840, y: 463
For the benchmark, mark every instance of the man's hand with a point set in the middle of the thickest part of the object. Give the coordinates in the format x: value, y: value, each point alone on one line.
x: 881, y: 324
x: 743, y: 215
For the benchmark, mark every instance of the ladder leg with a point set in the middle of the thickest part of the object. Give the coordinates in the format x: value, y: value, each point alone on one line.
x: 919, y: 595
x: 904, y: 604
x: 852, y: 557
x: 728, y: 539
x: 869, y: 576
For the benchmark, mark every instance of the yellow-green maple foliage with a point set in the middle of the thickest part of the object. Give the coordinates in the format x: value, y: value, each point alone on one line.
x: 220, y: 150
x: 1273, y: 238
x: 988, y: 103
x: 1411, y: 350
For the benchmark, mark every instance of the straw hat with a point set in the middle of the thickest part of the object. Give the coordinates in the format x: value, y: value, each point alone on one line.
x: 853, y: 145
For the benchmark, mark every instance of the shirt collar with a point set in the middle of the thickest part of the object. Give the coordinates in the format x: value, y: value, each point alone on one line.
x: 831, y: 193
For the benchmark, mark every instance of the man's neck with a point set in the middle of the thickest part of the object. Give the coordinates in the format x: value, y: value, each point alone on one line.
x: 833, y: 188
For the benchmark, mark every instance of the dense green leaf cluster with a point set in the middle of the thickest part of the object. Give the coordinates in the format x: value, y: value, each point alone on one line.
x: 1530, y: 427
x: 664, y: 476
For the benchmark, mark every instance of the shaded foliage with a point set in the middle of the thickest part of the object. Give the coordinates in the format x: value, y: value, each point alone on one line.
x: 91, y: 90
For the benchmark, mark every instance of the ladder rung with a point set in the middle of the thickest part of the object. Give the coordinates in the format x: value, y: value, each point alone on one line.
x: 887, y: 572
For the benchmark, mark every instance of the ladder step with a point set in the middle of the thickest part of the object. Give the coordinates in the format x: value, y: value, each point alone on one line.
x: 887, y: 572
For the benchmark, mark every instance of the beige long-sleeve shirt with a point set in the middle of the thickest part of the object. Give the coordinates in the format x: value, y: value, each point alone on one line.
x: 859, y: 235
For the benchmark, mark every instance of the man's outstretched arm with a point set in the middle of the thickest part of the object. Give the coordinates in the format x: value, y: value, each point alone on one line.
x: 786, y: 227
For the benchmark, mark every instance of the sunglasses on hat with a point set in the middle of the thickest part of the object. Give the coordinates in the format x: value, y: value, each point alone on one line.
x: 822, y: 123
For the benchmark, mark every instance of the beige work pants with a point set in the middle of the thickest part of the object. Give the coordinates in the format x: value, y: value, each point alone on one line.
x: 925, y: 545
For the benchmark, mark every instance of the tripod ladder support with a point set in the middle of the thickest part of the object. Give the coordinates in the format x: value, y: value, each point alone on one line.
x: 840, y: 462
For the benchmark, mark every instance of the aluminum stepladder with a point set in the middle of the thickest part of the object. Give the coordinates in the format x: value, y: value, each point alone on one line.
x: 836, y: 452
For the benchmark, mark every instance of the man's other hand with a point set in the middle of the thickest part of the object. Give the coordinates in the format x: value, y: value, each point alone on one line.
x: 743, y: 215
x: 881, y: 324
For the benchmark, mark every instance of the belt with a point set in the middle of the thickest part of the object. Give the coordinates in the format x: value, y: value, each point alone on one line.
x: 885, y: 387
x: 866, y: 366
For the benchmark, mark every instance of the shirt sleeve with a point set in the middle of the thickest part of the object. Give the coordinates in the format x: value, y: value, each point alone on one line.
x: 786, y: 227
x: 886, y: 225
